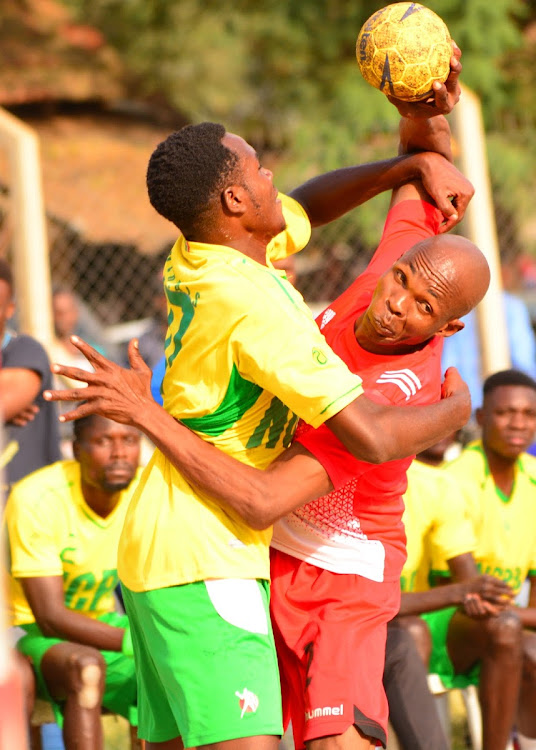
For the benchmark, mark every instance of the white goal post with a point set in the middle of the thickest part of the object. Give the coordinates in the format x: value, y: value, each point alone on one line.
x: 29, y: 258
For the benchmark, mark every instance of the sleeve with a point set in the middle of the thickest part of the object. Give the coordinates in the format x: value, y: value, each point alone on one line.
x: 452, y: 532
x: 24, y: 352
x: 296, y: 235
x: 34, y: 549
x: 407, y: 223
x: 290, y: 358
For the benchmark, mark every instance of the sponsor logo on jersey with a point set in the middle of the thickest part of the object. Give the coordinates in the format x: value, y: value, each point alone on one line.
x: 406, y: 380
x: 247, y: 701
x: 316, y: 713
x: 328, y: 315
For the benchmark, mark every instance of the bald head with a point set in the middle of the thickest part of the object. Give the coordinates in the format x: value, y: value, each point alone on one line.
x: 456, y: 265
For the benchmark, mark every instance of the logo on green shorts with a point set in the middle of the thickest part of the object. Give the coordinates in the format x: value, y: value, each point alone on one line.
x: 247, y: 701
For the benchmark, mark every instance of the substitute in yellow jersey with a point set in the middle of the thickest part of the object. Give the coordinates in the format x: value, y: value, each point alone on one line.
x: 63, y: 524
x: 435, y: 522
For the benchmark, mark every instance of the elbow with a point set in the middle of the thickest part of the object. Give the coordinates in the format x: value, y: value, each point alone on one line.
x: 48, y: 627
x: 376, y: 449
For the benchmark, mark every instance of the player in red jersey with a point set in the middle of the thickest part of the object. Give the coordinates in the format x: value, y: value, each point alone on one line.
x: 336, y: 570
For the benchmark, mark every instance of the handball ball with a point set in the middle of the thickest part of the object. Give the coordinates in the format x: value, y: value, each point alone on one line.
x: 402, y: 49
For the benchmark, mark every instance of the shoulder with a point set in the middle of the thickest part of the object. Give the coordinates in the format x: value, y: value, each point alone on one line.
x: 529, y: 466
x: 56, y: 478
x: 21, y: 344
x: 470, y: 464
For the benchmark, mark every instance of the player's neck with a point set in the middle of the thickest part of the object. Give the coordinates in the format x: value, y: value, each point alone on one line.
x: 100, y: 501
x: 502, y: 469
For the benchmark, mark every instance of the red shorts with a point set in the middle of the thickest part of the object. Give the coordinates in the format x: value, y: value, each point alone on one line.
x: 330, y: 631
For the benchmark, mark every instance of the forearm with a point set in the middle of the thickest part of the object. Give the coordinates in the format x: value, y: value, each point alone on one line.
x: 377, y: 433
x: 417, y: 602
x: 258, y: 497
x: 331, y: 195
x: 527, y: 616
x: 79, y: 628
x: 431, y: 134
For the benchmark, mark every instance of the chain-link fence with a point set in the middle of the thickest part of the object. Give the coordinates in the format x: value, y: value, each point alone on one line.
x: 115, y: 280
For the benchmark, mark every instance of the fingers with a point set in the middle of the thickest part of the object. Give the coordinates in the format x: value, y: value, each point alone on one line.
x: 71, y: 394
x: 74, y: 373
x: 91, y: 354
x: 135, y: 359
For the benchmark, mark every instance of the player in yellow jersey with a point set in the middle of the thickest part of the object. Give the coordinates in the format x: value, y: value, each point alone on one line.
x: 63, y: 524
x: 498, y: 480
x: 244, y: 356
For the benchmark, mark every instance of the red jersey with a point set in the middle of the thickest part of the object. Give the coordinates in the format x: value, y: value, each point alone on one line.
x: 358, y: 528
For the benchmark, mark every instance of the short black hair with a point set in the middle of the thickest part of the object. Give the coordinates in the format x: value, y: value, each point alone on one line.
x: 187, y: 172
x: 80, y: 425
x: 6, y: 274
x: 508, y: 377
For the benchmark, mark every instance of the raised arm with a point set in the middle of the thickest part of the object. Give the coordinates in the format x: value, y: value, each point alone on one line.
x: 372, y: 432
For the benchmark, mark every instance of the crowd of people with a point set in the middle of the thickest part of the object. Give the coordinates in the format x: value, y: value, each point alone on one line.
x: 282, y: 559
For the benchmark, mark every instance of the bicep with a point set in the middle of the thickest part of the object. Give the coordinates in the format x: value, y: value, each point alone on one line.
x: 19, y: 387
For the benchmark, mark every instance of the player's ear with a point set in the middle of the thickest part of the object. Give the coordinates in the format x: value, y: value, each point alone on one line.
x: 233, y: 200
x: 479, y: 415
x: 450, y: 328
x: 76, y: 449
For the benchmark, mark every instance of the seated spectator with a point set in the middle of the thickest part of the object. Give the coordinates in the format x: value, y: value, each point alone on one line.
x: 63, y: 525
x: 498, y: 480
x: 436, y: 527
x: 31, y: 438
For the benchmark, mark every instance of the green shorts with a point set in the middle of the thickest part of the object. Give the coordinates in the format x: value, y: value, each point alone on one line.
x: 440, y: 662
x: 206, y: 661
x: 120, y: 686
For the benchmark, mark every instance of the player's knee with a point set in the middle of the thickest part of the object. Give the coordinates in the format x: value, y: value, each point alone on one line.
x: 505, y: 631
x: 420, y: 633
x: 86, y: 678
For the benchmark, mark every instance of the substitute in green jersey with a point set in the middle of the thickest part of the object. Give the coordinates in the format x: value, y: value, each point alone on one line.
x: 498, y: 480
x: 63, y: 524
x: 244, y: 359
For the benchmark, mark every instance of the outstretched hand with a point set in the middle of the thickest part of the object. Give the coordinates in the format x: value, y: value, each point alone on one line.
x: 112, y: 391
x: 444, y: 97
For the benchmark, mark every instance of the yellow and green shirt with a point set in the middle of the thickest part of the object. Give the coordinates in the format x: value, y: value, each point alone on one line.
x: 52, y: 531
x: 244, y: 360
x: 436, y: 527
x: 505, y: 527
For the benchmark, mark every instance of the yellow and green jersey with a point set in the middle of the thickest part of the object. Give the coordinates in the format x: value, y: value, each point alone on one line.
x: 244, y: 360
x: 52, y: 531
x: 436, y: 527
x: 505, y: 527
